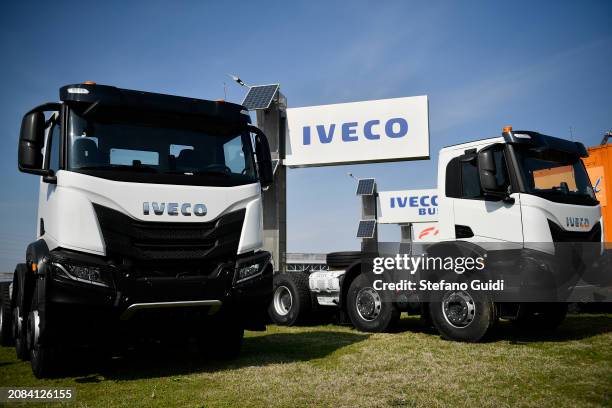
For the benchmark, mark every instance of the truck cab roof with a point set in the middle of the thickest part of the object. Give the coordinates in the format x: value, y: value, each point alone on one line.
x: 525, y: 138
x: 110, y: 96
x: 473, y: 144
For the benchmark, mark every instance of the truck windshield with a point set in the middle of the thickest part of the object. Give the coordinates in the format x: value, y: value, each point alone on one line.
x: 556, y: 176
x: 163, y: 149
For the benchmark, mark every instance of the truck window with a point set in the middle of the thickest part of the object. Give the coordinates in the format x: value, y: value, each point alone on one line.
x: 175, y: 150
x: 463, y: 180
x: 54, y: 139
x: 136, y: 146
x: 453, y: 178
x: 128, y: 157
x: 501, y: 172
x: 556, y: 176
x: 234, y: 156
x: 470, y: 181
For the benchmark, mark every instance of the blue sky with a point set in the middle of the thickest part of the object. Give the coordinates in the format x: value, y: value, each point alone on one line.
x: 544, y: 66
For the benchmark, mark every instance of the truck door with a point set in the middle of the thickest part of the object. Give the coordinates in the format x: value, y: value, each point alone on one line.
x: 480, y: 218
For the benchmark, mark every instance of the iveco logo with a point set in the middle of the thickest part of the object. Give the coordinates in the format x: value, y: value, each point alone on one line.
x: 393, y: 128
x: 577, y: 222
x: 199, y: 210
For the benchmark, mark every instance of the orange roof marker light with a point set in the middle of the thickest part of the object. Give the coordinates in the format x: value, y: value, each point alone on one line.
x: 507, y: 129
x: 89, y: 83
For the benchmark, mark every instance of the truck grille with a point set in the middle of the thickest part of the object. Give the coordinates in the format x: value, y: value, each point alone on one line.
x: 144, y: 241
x: 561, y: 235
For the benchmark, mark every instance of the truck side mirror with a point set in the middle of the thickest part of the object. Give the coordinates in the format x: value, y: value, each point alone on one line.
x: 487, y: 172
x: 264, y: 159
x: 31, y: 142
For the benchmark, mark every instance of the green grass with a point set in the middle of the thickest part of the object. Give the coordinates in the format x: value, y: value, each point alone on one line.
x: 337, y: 366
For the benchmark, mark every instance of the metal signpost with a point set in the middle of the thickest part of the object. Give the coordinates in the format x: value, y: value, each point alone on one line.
x: 270, y: 106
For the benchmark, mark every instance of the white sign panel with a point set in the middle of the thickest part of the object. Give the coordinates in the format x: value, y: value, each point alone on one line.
x: 408, y: 206
x: 358, y: 132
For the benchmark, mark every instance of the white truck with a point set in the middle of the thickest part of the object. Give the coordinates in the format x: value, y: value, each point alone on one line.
x: 149, y: 220
x: 522, y: 190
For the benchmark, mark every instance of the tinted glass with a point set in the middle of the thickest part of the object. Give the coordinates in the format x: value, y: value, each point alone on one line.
x: 55, y: 143
x: 501, y: 170
x: 470, y: 178
x: 555, y: 175
x: 198, y: 154
x: 470, y: 182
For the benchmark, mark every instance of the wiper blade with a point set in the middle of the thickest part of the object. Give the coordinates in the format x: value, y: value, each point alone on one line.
x: 143, y: 169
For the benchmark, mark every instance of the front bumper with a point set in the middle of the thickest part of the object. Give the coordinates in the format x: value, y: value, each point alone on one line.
x: 573, y: 272
x: 117, y: 296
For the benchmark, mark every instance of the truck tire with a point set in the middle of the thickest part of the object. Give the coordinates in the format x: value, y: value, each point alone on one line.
x: 463, y: 315
x: 43, y: 356
x: 540, y: 316
x: 291, y: 301
x: 340, y: 260
x: 6, y: 316
x: 366, y: 308
x: 221, y: 340
x: 20, y: 314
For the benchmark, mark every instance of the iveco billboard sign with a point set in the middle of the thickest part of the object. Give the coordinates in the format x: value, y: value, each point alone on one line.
x: 358, y: 132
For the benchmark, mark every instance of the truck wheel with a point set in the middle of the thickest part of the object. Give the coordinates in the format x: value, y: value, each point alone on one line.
x: 464, y: 315
x: 42, y: 356
x: 342, y: 260
x: 6, y: 317
x: 366, y: 308
x: 540, y: 316
x: 19, y: 317
x: 291, y: 301
x: 221, y: 340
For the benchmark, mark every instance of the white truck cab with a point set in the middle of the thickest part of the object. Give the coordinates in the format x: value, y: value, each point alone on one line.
x: 149, y: 217
x: 522, y: 193
x: 535, y: 180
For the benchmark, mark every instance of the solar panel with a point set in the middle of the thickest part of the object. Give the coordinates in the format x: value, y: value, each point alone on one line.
x: 365, y: 186
x: 260, y: 97
x: 366, y: 229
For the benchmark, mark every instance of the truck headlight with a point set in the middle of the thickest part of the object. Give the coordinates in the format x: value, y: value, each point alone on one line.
x: 251, y: 267
x: 82, y: 273
x: 247, y: 272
